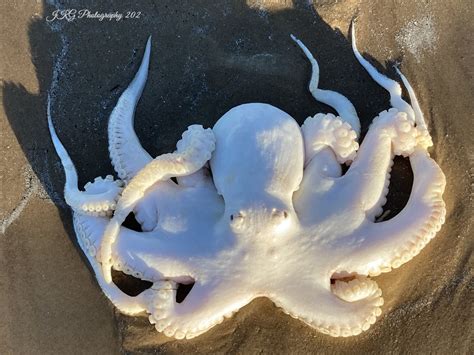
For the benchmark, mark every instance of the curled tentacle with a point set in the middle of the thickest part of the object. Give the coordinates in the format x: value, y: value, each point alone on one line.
x: 194, y: 150
x: 348, y: 310
x: 379, y: 247
x: 99, y: 197
x: 126, y: 152
x: 339, y: 102
x: 323, y: 131
x: 388, y: 84
x: 355, y: 290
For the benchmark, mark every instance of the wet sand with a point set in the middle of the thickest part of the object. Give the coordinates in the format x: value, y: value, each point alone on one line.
x: 207, y: 58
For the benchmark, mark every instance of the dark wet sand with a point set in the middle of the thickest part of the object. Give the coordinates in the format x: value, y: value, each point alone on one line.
x: 207, y: 58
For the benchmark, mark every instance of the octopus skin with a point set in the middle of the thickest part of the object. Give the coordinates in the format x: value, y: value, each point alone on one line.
x: 260, y: 209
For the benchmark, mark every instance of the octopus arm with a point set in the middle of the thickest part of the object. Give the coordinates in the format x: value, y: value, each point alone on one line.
x: 204, y: 307
x: 403, y: 124
x: 147, y: 255
x: 325, y: 131
x: 126, y: 152
x: 344, y: 309
x: 378, y: 247
x: 367, y: 180
x: 194, y: 150
x: 363, y: 187
x: 329, y: 142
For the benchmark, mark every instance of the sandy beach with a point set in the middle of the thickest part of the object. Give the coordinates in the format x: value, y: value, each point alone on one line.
x: 208, y: 57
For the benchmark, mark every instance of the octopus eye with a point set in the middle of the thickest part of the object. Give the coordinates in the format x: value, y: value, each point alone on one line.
x: 236, y: 219
x: 279, y: 214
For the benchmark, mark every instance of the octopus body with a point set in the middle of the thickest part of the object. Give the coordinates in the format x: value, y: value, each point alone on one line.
x: 276, y: 218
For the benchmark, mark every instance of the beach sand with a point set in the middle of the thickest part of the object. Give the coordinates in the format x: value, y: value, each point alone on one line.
x: 208, y: 57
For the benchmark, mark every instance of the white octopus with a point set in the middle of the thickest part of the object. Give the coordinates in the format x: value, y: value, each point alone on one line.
x: 277, y: 219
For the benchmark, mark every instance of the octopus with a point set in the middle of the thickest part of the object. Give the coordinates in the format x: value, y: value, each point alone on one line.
x: 258, y: 206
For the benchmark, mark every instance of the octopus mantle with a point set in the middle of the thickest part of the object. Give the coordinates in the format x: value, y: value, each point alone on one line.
x: 277, y: 218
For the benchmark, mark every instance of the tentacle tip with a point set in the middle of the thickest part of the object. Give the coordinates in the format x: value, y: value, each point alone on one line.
x: 146, y: 56
x: 293, y: 37
x: 148, y: 43
x: 353, y: 36
x: 48, y: 111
